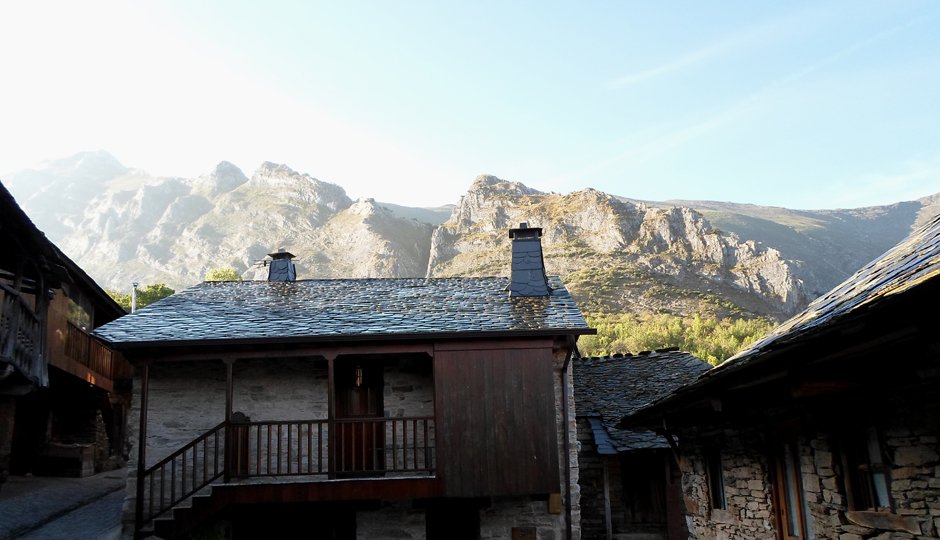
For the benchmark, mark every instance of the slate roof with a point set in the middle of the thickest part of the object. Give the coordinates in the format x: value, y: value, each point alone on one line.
x: 608, y: 388
x: 335, y: 309
x: 896, y: 274
x: 910, y: 263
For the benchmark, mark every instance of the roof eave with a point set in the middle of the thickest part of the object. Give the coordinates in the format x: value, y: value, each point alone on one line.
x: 342, y: 338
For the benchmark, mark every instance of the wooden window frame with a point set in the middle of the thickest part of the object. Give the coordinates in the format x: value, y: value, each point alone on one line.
x: 865, y: 471
x: 788, y: 490
x: 714, y: 476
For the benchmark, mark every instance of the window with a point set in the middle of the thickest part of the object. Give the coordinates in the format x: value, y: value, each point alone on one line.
x: 866, y: 471
x: 715, y: 478
x: 791, y: 501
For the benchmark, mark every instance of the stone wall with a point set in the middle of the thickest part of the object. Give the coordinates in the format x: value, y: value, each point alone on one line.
x: 398, y: 521
x: 748, y: 512
x: 591, y: 483
x: 908, y: 434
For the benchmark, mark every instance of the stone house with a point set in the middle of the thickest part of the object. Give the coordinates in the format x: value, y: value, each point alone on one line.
x: 629, y: 483
x: 828, y: 427
x: 62, y: 393
x: 356, y: 408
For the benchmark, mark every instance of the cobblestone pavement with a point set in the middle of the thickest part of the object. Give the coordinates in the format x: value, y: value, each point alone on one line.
x: 29, y: 503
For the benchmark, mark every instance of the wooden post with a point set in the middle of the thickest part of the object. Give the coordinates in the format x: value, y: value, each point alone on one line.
x: 331, y: 413
x: 142, y: 449
x: 229, y: 398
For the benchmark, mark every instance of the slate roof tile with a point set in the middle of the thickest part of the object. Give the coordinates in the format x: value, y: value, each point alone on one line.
x: 345, y: 308
x: 613, y: 387
x: 911, y: 262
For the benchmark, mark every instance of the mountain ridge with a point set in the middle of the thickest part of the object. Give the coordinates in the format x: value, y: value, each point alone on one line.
x: 616, y: 253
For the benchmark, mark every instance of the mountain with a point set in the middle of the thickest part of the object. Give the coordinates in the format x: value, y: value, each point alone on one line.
x: 616, y: 254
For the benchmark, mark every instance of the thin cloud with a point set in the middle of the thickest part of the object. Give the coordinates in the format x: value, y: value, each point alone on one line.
x: 660, y: 145
x: 764, y: 33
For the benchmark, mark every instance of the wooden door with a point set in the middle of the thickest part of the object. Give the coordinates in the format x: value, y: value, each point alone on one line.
x: 360, y: 422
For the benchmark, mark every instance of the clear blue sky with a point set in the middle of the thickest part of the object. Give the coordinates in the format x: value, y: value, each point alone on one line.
x: 818, y: 104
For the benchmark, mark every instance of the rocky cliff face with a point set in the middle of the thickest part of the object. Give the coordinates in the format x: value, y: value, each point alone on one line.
x: 615, y: 254
x: 589, y: 233
x: 172, y: 230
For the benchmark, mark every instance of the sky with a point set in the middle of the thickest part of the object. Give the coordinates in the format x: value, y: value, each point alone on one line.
x: 806, y: 105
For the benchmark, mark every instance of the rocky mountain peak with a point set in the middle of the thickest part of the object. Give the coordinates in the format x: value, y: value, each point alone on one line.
x: 486, y: 184
x: 280, y: 181
x: 224, y: 178
x: 364, y: 207
x: 91, y: 164
x: 485, y: 201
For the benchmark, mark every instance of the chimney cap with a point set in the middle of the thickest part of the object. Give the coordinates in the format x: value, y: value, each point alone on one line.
x: 524, y: 231
x: 281, y: 253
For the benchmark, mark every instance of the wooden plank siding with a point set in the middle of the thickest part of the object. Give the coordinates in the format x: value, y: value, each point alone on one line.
x: 496, y: 422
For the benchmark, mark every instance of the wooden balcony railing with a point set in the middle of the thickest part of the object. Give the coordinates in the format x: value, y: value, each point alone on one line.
x: 364, y: 448
x: 20, y: 334
x: 181, y: 474
x: 88, y: 351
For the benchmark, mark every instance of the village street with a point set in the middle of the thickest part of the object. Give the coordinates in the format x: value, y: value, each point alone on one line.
x: 49, y: 508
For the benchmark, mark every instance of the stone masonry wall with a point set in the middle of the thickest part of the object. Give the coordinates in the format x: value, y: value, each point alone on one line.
x: 591, y: 483
x: 909, y: 436
x: 908, y: 431
x: 748, y: 512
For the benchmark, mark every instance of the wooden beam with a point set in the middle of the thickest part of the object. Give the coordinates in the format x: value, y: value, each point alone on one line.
x: 331, y: 416
x: 274, y: 351
x: 142, y: 447
x: 479, y: 345
x: 386, y: 489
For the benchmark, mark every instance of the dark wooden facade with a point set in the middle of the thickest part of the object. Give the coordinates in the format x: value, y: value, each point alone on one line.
x: 52, y: 372
x: 496, y: 415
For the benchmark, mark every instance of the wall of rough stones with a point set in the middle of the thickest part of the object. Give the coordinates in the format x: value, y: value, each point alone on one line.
x: 909, y: 434
x: 591, y: 483
x: 748, y: 512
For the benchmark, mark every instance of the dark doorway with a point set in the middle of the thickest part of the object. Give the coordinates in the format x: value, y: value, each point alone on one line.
x: 452, y: 520
x: 296, y: 520
x: 360, y: 418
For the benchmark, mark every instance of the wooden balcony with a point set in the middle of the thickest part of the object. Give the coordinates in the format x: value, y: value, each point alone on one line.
x: 362, y: 449
x: 21, y: 335
x: 88, y: 351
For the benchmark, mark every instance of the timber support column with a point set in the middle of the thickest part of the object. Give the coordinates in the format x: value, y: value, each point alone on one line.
x: 142, y: 449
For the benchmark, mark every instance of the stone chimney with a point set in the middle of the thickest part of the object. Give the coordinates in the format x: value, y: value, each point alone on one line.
x: 528, y: 267
x: 281, y: 267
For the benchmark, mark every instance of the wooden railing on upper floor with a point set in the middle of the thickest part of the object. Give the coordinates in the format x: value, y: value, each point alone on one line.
x: 88, y: 351
x: 21, y: 334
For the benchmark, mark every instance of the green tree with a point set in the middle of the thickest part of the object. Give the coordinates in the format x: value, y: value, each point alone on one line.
x: 223, y: 274
x: 145, y: 295
x: 712, y: 340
